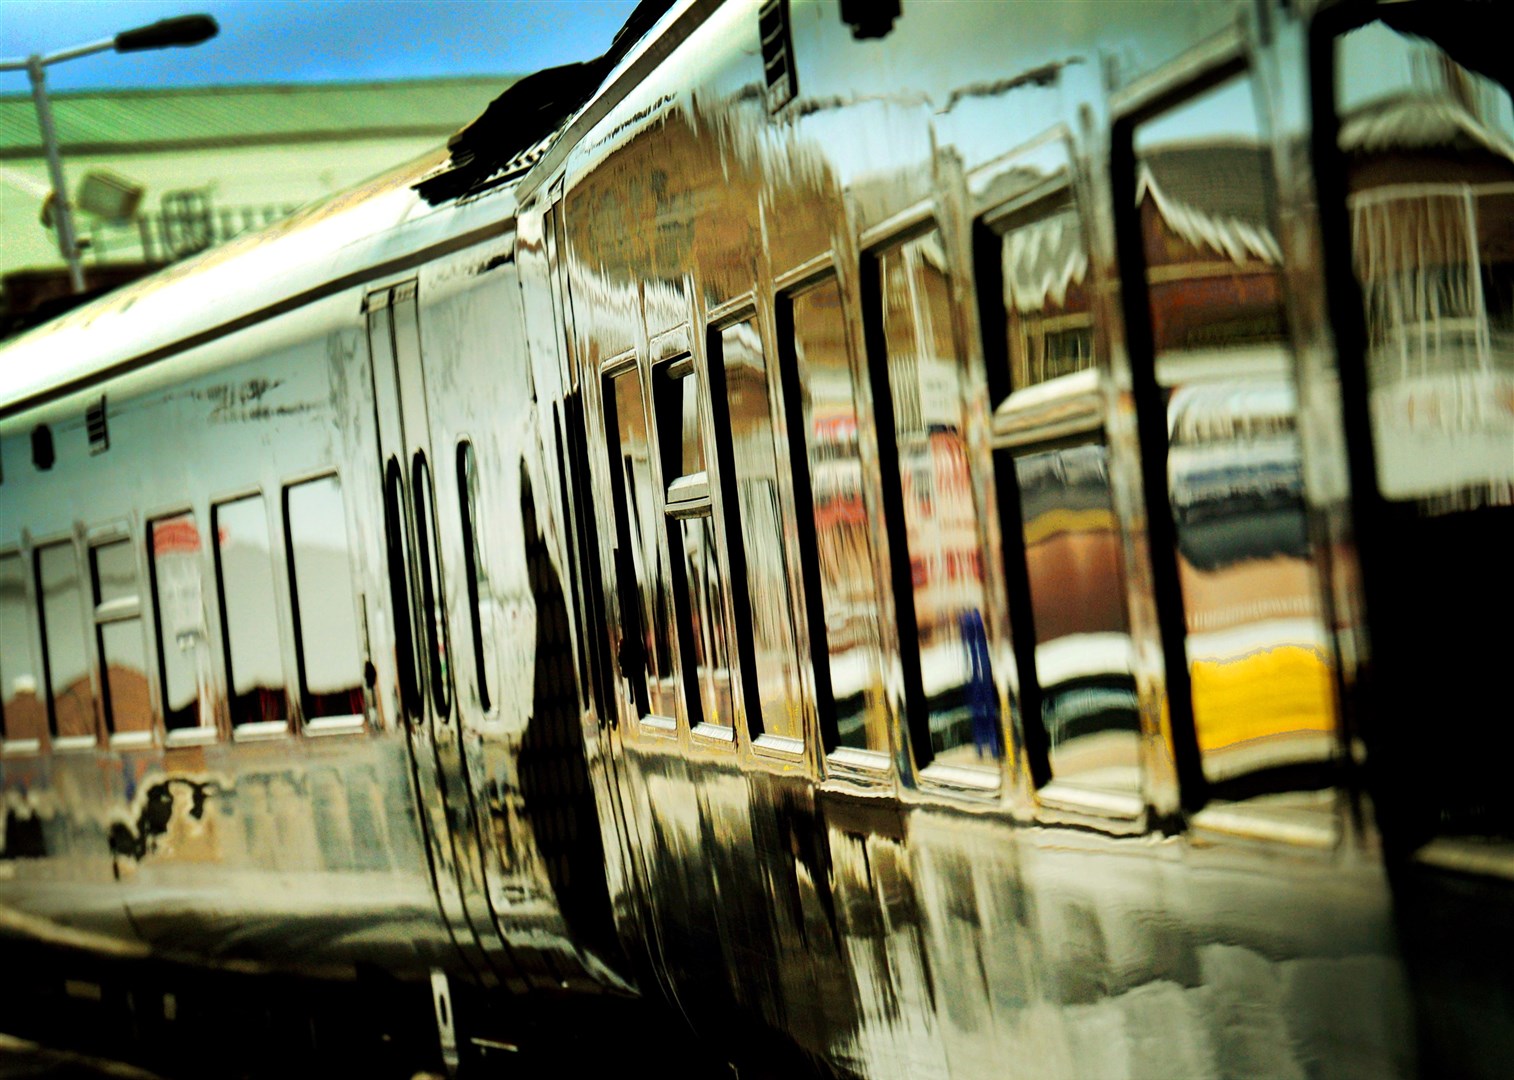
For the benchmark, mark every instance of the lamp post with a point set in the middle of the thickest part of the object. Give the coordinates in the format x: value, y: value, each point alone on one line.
x: 184, y: 30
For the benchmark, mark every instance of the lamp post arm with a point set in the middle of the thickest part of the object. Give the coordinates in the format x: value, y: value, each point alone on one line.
x: 62, y: 212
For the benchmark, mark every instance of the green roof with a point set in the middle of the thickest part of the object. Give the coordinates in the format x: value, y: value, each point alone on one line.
x: 139, y: 121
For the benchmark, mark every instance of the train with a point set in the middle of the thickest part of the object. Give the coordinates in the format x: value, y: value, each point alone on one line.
x: 920, y: 539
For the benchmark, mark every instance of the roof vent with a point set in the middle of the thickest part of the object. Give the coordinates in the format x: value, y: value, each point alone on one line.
x: 94, y: 420
x: 777, y: 53
x: 869, y: 18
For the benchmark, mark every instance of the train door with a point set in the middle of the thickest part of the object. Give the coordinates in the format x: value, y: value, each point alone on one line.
x: 593, y: 426
x: 422, y: 645
x: 1414, y: 158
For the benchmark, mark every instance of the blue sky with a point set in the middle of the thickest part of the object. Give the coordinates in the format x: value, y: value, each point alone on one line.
x: 310, y: 40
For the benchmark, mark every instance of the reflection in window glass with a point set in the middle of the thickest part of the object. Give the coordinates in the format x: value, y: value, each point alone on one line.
x: 123, y: 653
x: 480, y: 589
x: 22, y: 710
x: 321, y: 576
x: 1427, y: 147
x: 698, y: 574
x: 1257, y: 645
x: 772, y: 637
x: 249, y: 620
x: 643, y: 579
x: 1044, y: 262
x: 175, y: 551
x: 64, y: 641
x: 931, y: 396
x: 1083, y: 647
x: 843, y: 531
x: 711, y: 660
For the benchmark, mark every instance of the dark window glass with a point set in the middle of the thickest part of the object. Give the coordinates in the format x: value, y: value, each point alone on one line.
x: 22, y: 710
x: 118, y: 626
x: 249, y: 618
x: 480, y: 589
x: 646, y: 651
x: 325, y: 608
x: 1256, y: 640
x: 843, y: 527
x: 931, y: 396
x: 60, y: 590
x: 774, y: 652
x: 432, y: 610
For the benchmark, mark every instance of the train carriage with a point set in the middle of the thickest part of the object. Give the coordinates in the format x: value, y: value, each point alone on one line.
x: 923, y: 537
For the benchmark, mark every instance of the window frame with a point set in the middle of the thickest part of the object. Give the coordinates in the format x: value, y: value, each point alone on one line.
x: 338, y: 723
x: 252, y: 729
x: 112, y: 613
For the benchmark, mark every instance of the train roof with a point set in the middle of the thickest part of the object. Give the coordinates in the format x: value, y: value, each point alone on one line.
x: 396, y: 220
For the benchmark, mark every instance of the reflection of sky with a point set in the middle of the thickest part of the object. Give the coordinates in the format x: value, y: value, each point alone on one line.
x: 294, y: 41
x: 1377, y: 62
x: 1228, y: 111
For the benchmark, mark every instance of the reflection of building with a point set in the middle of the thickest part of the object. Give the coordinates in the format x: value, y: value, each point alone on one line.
x: 202, y: 165
x: 1431, y: 181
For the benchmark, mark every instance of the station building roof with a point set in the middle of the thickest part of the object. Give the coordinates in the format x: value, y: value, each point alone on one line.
x: 113, y: 122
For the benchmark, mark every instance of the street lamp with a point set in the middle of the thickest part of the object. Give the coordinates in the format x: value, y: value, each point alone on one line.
x: 183, y: 30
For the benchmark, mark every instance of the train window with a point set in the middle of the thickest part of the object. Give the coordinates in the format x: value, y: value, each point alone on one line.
x: 955, y: 710
x: 328, y: 641
x: 1063, y: 568
x: 771, y: 664
x: 118, y: 634
x: 399, y: 589
x: 174, y: 553
x: 698, y: 577
x: 1083, y: 654
x: 1419, y: 192
x: 845, y: 605
x: 645, y: 650
x: 22, y: 712
x: 1432, y: 232
x: 60, y: 589
x: 1253, y: 629
x: 435, y: 629
x: 249, y: 619
x: 1043, y: 275
x: 480, y: 590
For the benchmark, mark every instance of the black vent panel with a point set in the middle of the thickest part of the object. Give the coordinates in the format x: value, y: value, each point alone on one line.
x: 777, y: 53
x: 94, y: 420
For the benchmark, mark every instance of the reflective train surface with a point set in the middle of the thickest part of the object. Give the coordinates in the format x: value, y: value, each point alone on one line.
x: 926, y: 539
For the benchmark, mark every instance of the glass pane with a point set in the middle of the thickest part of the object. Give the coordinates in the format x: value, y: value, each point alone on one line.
x: 1077, y: 590
x: 22, y: 710
x: 65, y: 640
x: 321, y: 573
x: 931, y: 397
x: 124, y: 656
x: 678, y: 417
x: 640, y: 552
x: 756, y: 466
x: 115, y: 572
x: 175, y: 553
x: 249, y: 619
x: 1432, y: 223
x: 1048, y: 318
x: 843, y: 529
x: 432, y: 611
x: 480, y: 589
x: 711, y: 660
x: 1257, y: 643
